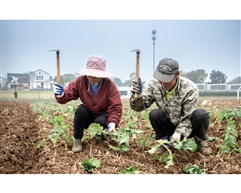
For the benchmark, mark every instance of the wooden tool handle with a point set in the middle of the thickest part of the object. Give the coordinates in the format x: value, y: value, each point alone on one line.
x: 137, y: 67
x: 58, y: 67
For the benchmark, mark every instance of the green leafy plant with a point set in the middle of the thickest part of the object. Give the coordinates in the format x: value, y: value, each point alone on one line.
x: 129, y: 170
x: 230, y: 138
x: 40, y: 144
x: 57, y: 120
x: 129, y: 129
x: 142, y: 141
x: 90, y: 164
x: 145, y: 116
x: 60, y: 132
x: 71, y: 111
x: 151, y: 137
x: 166, y: 157
x: 122, y: 140
x: 185, y: 144
x: 193, y: 169
x: 53, y: 138
x: 227, y: 114
x: 211, y: 139
x: 130, y: 114
x: 49, y: 110
x: 95, y: 130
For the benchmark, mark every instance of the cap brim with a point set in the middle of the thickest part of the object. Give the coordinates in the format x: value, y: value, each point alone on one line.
x: 163, y: 77
x: 95, y: 73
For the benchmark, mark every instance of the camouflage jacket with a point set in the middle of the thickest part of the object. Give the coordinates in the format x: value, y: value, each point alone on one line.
x: 178, y: 108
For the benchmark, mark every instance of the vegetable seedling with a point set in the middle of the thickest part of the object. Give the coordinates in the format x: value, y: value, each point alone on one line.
x: 185, y: 145
x: 129, y: 170
x: 166, y: 157
x: 90, y: 163
x: 194, y: 170
x: 95, y: 130
x: 122, y: 140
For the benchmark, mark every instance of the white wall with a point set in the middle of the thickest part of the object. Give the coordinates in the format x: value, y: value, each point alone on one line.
x: 40, y: 78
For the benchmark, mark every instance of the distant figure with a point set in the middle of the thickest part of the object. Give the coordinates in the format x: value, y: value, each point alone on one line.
x: 15, y: 94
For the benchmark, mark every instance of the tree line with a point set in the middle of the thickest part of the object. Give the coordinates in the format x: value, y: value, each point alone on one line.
x: 197, y: 76
x: 216, y: 77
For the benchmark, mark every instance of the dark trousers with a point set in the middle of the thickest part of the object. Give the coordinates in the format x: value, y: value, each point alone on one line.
x: 83, y: 118
x: 164, y: 128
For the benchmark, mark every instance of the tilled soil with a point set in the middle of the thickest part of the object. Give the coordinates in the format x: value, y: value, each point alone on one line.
x: 21, y: 131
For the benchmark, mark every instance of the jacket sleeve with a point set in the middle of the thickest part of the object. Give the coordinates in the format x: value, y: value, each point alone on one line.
x: 189, y: 105
x: 114, y: 105
x: 145, y: 101
x: 70, y: 92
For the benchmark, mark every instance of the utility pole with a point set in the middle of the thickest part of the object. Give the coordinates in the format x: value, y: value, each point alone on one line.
x: 154, y: 39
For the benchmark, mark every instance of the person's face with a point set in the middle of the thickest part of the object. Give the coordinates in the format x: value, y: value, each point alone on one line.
x: 169, y: 85
x: 93, y: 80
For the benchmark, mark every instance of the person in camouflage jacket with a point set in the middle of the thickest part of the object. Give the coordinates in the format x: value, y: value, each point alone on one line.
x: 177, y: 116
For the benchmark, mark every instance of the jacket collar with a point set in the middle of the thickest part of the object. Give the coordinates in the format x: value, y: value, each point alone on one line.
x: 89, y: 84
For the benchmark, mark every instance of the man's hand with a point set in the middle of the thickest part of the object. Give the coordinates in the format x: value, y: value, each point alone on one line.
x: 136, y: 88
x: 175, y: 137
x: 58, y: 90
x: 111, y: 127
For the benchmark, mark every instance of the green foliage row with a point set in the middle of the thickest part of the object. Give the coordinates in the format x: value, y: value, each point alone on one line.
x: 229, y: 144
x: 56, y: 114
x: 228, y: 114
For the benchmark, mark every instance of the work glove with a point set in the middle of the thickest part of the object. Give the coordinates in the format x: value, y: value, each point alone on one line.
x: 136, y: 88
x: 111, y: 127
x: 58, y: 90
x: 175, y: 137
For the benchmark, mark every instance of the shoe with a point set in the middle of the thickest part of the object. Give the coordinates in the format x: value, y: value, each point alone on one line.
x: 160, y: 150
x: 77, y: 147
x: 203, y: 147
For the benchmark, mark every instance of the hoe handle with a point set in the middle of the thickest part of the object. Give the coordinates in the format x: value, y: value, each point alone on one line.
x: 137, y: 67
x: 58, y: 67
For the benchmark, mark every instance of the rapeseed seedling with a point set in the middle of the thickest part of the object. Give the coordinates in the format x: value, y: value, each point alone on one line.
x: 90, y: 164
x: 130, y: 170
x: 194, y: 169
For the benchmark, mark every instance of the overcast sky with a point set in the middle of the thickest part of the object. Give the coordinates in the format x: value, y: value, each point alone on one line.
x: 194, y: 43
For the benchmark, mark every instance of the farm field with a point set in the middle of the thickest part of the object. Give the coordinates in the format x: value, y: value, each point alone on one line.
x: 36, y: 138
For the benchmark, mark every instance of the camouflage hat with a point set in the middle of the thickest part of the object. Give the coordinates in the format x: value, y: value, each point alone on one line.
x: 166, y: 70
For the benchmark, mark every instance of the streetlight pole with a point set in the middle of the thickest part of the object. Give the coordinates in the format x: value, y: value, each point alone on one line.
x: 154, y: 39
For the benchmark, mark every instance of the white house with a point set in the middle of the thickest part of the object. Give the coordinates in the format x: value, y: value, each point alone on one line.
x: 125, y: 92
x: 40, y: 79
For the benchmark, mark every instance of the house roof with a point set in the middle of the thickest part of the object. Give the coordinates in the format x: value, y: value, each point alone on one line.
x: 42, y: 71
x: 22, y: 78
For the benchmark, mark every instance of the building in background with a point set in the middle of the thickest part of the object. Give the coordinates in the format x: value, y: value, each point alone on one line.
x: 16, y: 80
x: 41, y: 79
x: 33, y: 80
